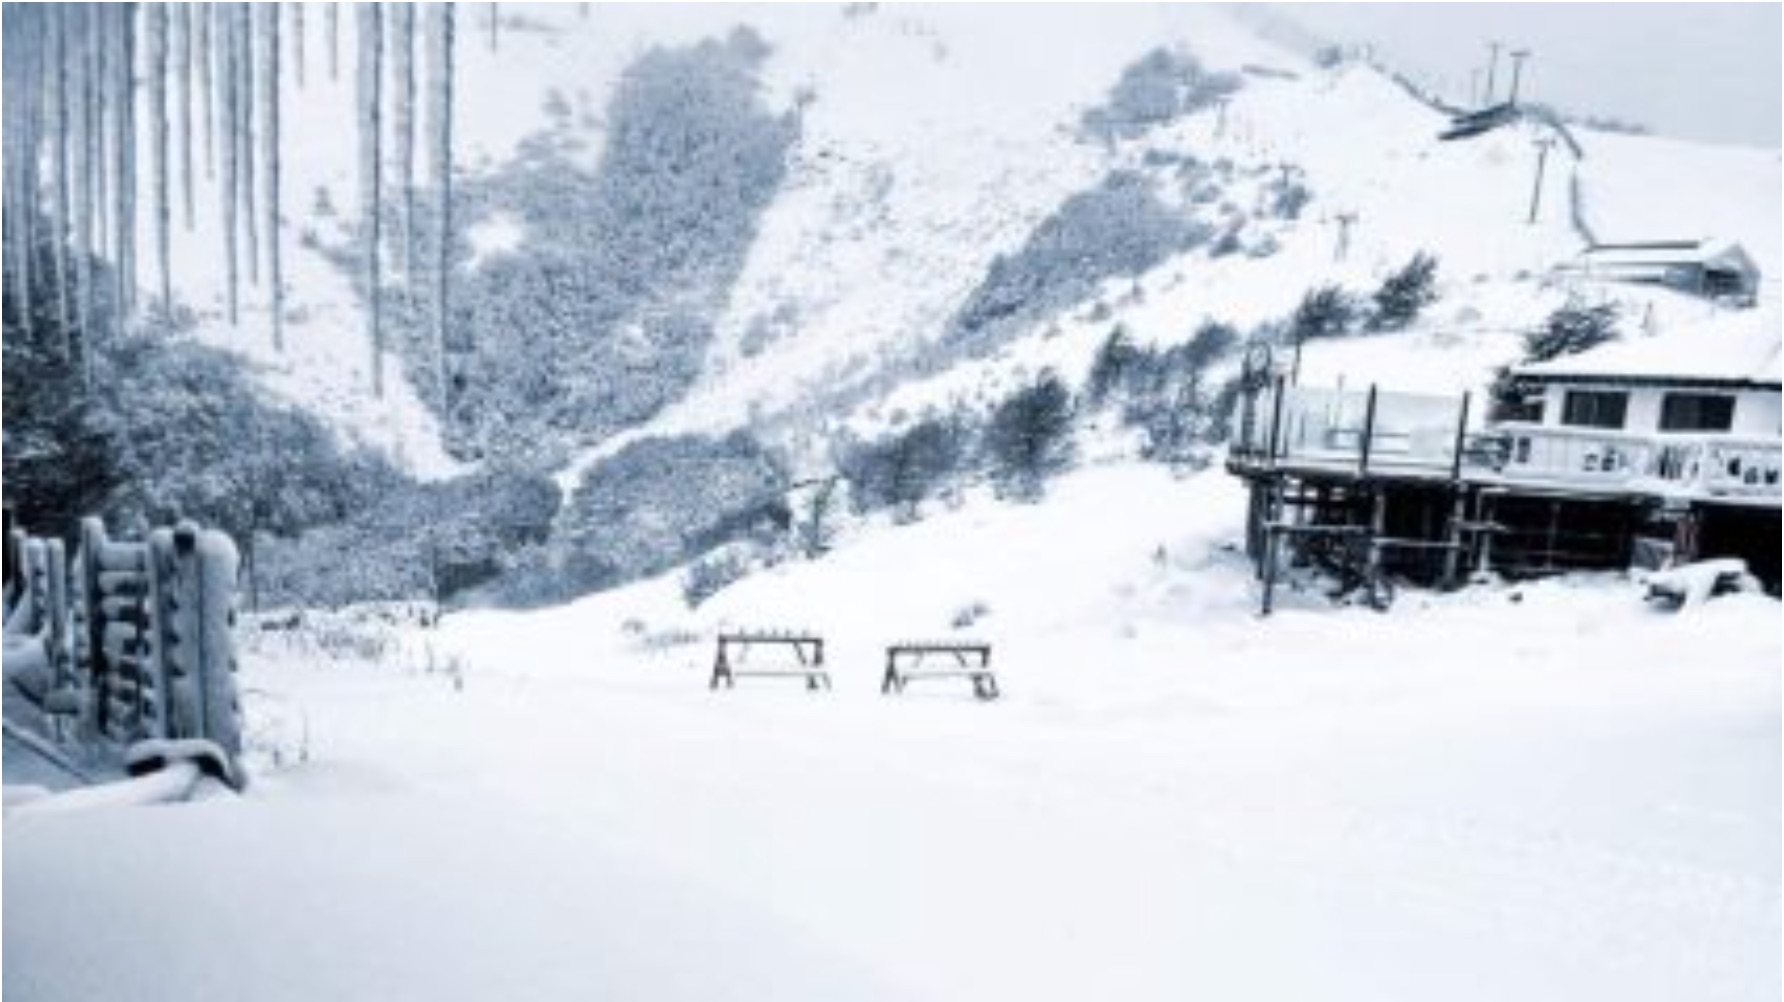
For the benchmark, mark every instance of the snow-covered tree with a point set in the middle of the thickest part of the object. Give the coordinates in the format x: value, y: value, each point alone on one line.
x: 1405, y: 294
x: 1029, y: 436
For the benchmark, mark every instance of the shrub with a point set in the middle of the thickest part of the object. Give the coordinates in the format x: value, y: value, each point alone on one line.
x: 1118, y: 228
x: 1405, y: 294
x: 1029, y: 436
x: 1110, y: 368
x: 1571, y: 329
x: 900, y: 471
x: 1163, y: 86
x: 712, y: 574
x: 1325, y: 311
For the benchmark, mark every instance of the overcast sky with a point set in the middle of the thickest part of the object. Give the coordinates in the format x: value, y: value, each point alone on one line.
x: 1700, y: 70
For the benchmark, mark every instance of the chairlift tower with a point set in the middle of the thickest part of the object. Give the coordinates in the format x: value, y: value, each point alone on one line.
x: 1517, y: 71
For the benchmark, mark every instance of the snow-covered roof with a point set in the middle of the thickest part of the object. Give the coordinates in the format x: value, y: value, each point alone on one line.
x: 1669, y: 253
x: 1745, y: 354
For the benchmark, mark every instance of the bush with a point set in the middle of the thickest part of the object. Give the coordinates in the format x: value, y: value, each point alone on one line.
x: 1162, y: 87
x: 900, y: 471
x: 1405, y: 294
x: 660, y: 501
x: 1571, y: 329
x: 1325, y: 311
x: 712, y: 574
x: 603, y: 314
x: 1029, y: 436
x: 1109, y: 370
x: 1118, y: 228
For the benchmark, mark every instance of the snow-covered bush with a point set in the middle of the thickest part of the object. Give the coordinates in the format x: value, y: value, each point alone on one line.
x: 661, y: 501
x: 1572, y: 328
x: 1325, y: 311
x: 903, y: 469
x: 432, y: 541
x: 1162, y: 87
x: 1404, y: 294
x: 712, y: 574
x: 1167, y: 395
x: 1120, y: 227
x: 602, y: 313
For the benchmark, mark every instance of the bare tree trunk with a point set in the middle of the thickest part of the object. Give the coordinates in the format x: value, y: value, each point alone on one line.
x: 57, y: 84
x: 204, y: 56
x: 371, y: 74
x: 297, y: 39
x: 182, y: 57
x: 124, y: 223
x: 440, y: 119
x: 229, y: 190
x: 88, y: 167
x: 403, y: 71
x: 155, y: 20
x: 269, y: 160
x: 244, y: 136
x: 334, y: 40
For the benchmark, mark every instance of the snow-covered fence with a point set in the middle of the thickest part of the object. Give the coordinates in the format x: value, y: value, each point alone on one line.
x: 129, y: 641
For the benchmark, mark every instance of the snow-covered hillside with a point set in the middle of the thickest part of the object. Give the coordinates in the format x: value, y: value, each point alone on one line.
x: 900, y: 197
x: 1535, y: 791
x: 1548, y: 792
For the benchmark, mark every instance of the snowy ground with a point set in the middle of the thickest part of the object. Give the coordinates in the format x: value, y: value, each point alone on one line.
x: 1551, y: 792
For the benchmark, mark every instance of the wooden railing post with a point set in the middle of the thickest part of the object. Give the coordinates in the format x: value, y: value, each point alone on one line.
x: 1368, y: 433
x: 1461, y: 440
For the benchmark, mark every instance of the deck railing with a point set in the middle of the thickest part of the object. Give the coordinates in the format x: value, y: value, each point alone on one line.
x: 1714, y: 466
x: 1377, y: 432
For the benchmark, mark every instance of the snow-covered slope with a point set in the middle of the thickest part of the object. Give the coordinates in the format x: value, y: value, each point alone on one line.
x: 1549, y: 792
x: 931, y: 144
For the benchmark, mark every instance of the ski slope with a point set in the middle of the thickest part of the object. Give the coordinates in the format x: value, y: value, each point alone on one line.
x: 1551, y: 792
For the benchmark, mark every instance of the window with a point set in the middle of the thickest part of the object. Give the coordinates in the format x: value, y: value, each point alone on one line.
x: 1696, y: 412
x: 1595, y: 408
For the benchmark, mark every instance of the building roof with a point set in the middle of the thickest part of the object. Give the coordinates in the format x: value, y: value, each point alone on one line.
x: 1731, y: 355
x: 1669, y: 253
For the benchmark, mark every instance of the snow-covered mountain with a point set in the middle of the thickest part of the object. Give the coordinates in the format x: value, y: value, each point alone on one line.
x: 930, y: 145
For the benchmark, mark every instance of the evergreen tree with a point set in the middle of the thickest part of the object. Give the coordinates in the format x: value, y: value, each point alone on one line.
x: 1029, y: 436
x: 1405, y: 294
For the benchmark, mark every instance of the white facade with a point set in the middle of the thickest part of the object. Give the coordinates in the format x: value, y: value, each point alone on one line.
x: 1757, y: 412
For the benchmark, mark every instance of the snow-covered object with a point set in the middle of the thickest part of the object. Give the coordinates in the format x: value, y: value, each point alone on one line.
x: 1691, y: 585
x: 156, y: 754
x: 198, y: 606
x: 171, y: 784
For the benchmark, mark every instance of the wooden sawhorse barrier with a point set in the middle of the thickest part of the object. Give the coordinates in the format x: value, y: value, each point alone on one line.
x: 905, y: 663
x: 734, y: 648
